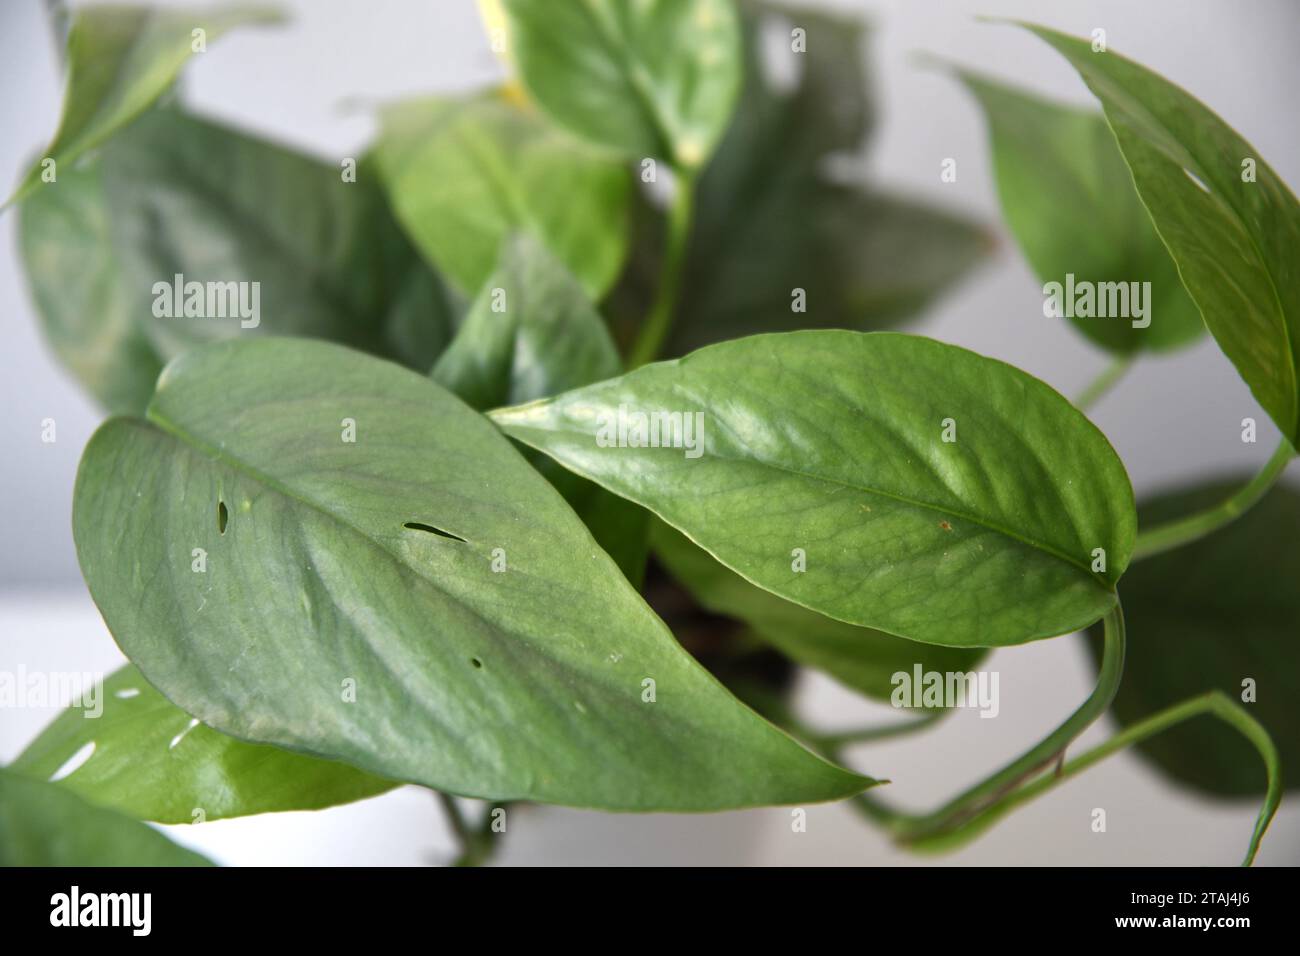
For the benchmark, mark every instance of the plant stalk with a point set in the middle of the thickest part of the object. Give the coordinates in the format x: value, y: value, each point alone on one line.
x: 913, y: 828
x: 837, y: 739
x: 1104, y: 382
x: 476, y: 843
x: 1215, y: 703
x: 659, y: 321
x: 1175, y: 534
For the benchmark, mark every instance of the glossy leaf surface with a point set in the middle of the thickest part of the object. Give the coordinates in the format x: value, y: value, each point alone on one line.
x: 828, y: 446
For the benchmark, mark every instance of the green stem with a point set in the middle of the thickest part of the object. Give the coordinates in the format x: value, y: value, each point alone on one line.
x: 774, y: 707
x: 1175, y: 534
x: 910, y: 828
x: 476, y: 843
x: 659, y: 321
x: 834, y: 740
x: 1104, y: 382
x: 1216, y: 704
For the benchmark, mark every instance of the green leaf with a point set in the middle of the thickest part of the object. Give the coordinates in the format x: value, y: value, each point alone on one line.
x: 120, y: 60
x: 770, y: 219
x: 832, y: 442
x: 42, y: 824
x: 350, y: 607
x: 532, y: 332
x: 194, y: 198
x: 1068, y: 197
x: 150, y: 760
x: 649, y: 78
x: 1234, y: 241
x: 463, y: 174
x: 858, y: 657
x: 89, y: 314
x: 1209, y: 616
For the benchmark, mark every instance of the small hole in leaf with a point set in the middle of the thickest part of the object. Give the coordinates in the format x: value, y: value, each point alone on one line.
x: 476, y: 662
x: 75, y: 762
x: 222, y: 517
x: 417, y: 526
x: 1196, y: 179
x: 181, y: 736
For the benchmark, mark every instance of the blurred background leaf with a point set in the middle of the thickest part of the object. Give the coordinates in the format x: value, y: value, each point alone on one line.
x: 194, y: 197
x: 44, y: 825
x: 90, y: 316
x: 771, y: 217
x: 1068, y: 197
x: 647, y: 78
x: 120, y: 60
x: 463, y: 173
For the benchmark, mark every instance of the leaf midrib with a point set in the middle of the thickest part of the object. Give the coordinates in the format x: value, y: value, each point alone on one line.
x: 901, y: 499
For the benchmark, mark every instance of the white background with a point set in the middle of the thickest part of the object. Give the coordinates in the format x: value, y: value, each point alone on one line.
x: 1174, y: 420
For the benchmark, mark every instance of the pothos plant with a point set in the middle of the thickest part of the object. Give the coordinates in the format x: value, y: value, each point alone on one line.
x: 454, y: 463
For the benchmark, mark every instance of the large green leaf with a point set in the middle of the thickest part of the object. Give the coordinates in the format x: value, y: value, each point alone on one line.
x: 151, y: 760
x: 1234, y: 240
x: 645, y: 77
x: 859, y: 657
x: 770, y: 219
x: 1068, y: 197
x: 532, y: 332
x: 1209, y: 616
x: 832, y: 442
x: 121, y: 59
x: 365, y: 569
x: 465, y: 173
x: 191, y: 197
x: 42, y: 824
x: 89, y: 313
